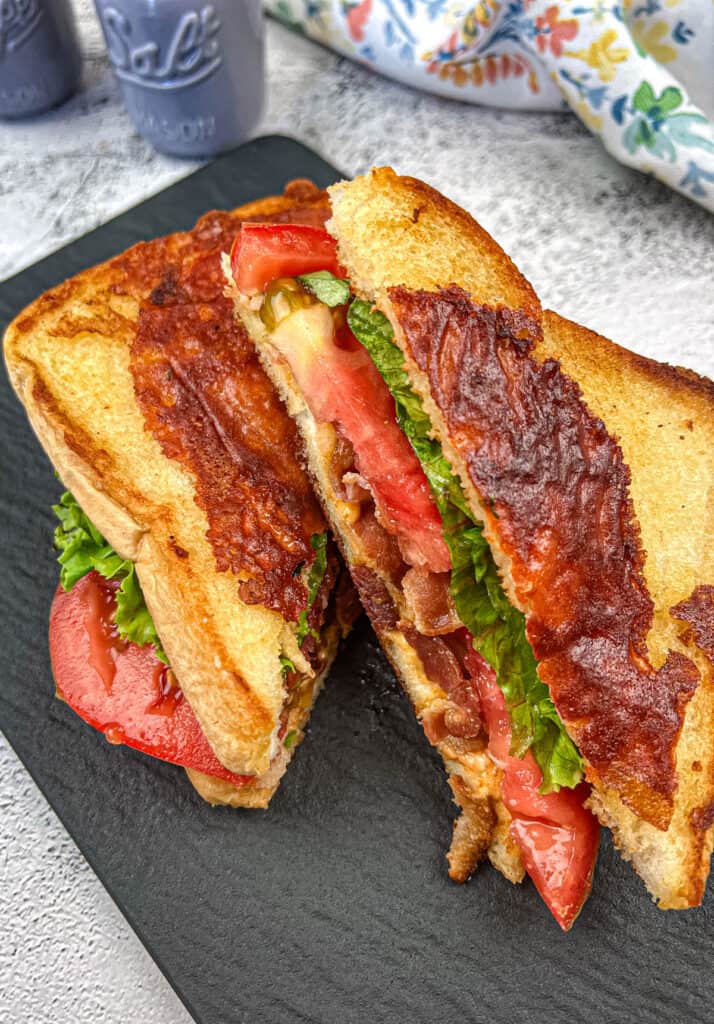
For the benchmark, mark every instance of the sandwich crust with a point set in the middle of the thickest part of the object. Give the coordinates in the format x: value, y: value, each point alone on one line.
x: 663, y: 417
x: 394, y: 230
x: 69, y: 359
x: 663, y: 421
x: 259, y: 792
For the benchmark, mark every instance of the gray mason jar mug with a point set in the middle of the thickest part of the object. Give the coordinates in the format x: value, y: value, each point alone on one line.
x: 191, y: 73
x: 40, y: 62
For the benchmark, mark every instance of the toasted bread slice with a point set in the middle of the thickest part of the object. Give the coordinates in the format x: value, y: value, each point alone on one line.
x: 446, y: 292
x: 69, y: 357
x: 394, y: 230
x: 664, y: 419
x: 258, y: 793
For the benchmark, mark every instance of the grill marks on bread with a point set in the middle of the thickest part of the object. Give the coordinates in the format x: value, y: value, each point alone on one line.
x: 555, y: 493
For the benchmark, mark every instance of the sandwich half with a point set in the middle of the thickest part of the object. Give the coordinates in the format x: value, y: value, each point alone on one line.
x: 526, y: 511
x: 196, y: 560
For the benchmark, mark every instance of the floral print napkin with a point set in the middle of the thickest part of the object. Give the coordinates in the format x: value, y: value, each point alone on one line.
x: 639, y: 73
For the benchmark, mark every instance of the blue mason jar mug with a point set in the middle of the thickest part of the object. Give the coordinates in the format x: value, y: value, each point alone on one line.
x: 40, y: 61
x: 191, y: 73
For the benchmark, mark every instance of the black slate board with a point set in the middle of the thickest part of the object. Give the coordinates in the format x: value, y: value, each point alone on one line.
x: 333, y: 906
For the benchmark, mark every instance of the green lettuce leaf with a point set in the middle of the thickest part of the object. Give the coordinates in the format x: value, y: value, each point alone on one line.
x: 482, y: 605
x: 82, y: 549
x: 331, y: 290
x: 287, y: 665
x: 318, y: 542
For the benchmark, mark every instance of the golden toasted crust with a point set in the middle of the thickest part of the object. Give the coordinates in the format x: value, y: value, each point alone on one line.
x: 255, y: 795
x: 68, y: 360
x: 482, y: 828
x: 664, y: 419
x: 382, y: 245
x: 258, y: 794
x: 393, y: 230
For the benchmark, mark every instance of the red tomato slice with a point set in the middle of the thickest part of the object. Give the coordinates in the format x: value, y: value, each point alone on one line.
x: 119, y: 688
x: 557, y: 836
x: 342, y: 385
x: 262, y: 252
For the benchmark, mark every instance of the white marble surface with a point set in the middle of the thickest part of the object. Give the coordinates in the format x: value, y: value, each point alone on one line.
x: 600, y: 243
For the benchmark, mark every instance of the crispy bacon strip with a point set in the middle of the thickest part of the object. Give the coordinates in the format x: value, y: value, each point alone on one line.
x: 557, y: 490
x: 208, y: 402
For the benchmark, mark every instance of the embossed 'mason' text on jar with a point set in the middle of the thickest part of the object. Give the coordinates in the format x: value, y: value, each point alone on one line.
x: 191, y: 74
